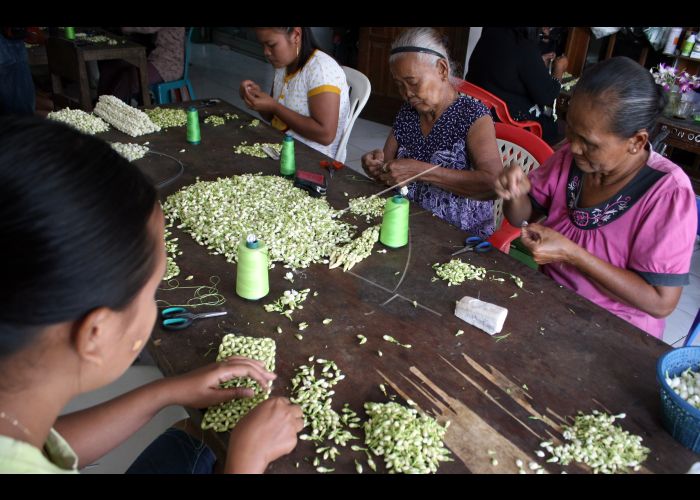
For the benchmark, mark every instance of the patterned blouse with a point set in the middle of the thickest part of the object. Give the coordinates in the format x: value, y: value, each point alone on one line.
x: 647, y: 227
x: 168, y: 57
x: 445, y: 145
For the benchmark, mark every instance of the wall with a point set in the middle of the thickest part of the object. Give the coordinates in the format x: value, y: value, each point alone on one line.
x: 324, y: 37
x: 474, y: 35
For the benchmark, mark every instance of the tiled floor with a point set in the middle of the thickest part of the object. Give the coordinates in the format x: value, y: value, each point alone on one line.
x: 680, y: 321
x: 217, y: 72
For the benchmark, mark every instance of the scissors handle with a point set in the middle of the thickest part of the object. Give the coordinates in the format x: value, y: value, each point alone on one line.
x: 483, y: 247
x: 473, y: 240
x: 474, y: 244
x: 172, y: 312
x: 178, y: 323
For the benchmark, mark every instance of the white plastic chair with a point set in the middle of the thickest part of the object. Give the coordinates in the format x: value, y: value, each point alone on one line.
x: 529, y: 152
x: 360, y: 89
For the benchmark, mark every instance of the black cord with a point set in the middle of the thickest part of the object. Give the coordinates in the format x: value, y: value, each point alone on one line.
x: 172, y: 179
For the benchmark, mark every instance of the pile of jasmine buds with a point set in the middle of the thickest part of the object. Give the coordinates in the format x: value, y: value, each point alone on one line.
x: 409, y: 442
x: 455, y: 272
x: 597, y: 442
x: 167, y: 117
x: 297, y: 229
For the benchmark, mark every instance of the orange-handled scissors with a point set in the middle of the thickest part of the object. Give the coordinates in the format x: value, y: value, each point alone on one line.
x: 331, y: 166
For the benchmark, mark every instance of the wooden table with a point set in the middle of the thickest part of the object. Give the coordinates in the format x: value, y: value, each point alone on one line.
x: 570, y: 354
x: 68, y: 58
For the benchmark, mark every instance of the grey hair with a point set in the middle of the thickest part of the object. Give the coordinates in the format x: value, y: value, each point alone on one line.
x: 427, y: 38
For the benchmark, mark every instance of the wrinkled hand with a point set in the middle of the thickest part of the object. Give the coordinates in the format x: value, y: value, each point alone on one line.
x: 512, y: 182
x: 372, y: 163
x: 266, y: 433
x: 396, y: 172
x: 546, y: 244
x: 200, y: 388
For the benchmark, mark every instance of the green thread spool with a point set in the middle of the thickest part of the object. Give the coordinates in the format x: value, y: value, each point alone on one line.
x: 193, y: 133
x: 394, y: 230
x: 69, y: 33
x: 287, y: 161
x: 252, y: 281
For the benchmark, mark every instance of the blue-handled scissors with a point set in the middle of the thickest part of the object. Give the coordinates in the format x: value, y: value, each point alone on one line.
x: 178, y: 318
x: 474, y: 244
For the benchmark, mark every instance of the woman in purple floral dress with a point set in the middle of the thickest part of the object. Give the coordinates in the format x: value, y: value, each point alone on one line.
x: 437, y: 126
x: 621, y: 218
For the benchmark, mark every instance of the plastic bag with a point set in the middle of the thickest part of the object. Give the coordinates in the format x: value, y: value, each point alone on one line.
x: 656, y: 36
x: 601, y: 32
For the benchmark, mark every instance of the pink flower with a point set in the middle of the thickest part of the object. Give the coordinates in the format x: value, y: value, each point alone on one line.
x: 667, y: 77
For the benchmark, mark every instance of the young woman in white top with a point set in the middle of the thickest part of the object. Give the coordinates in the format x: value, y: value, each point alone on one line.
x: 310, y: 95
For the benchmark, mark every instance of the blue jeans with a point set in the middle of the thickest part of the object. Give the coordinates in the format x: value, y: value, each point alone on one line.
x: 16, y: 84
x: 174, y: 452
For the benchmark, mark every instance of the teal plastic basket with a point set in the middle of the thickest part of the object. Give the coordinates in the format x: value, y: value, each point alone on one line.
x: 680, y: 418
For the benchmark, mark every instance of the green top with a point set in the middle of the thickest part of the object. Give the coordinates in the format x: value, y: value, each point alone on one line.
x: 18, y: 457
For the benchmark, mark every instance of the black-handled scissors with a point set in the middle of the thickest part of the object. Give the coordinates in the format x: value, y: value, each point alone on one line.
x: 474, y: 244
x: 208, y: 103
x: 178, y: 318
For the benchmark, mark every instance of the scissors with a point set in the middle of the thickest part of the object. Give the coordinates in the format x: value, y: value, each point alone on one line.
x: 474, y: 244
x: 208, y: 103
x: 179, y: 318
x: 331, y: 166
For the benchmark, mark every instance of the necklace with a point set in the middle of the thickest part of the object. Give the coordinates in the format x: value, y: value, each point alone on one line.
x: 15, y: 422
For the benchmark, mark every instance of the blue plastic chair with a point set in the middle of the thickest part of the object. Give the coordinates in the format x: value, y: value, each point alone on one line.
x: 161, y: 91
x: 695, y: 329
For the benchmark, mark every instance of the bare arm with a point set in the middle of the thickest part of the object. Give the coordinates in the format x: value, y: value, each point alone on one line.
x: 95, y: 431
x: 549, y: 246
x: 512, y: 185
x: 321, y: 126
x: 475, y: 184
x: 483, y: 150
x: 627, y: 286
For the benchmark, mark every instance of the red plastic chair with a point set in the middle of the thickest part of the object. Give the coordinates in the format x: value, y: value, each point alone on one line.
x: 529, y: 151
x: 491, y: 101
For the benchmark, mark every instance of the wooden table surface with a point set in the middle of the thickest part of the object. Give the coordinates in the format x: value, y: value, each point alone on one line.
x: 570, y: 354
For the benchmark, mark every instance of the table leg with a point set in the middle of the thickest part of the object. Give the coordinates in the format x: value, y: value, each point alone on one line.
x: 143, y: 72
x: 84, y: 85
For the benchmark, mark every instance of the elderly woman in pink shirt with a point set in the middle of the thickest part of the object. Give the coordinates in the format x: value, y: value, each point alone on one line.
x: 621, y: 219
